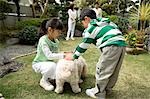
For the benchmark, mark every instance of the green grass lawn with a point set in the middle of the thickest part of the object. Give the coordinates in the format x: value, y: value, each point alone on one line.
x: 133, y: 82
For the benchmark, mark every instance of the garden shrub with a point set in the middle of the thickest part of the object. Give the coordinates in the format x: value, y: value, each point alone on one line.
x: 104, y: 14
x: 123, y: 24
x: 4, y: 8
x: 55, y: 10
x: 29, y: 22
x: 147, y: 39
x: 28, y: 35
x: 113, y: 18
x: 108, y: 8
x: 79, y: 26
x: 78, y: 29
x: 131, y: 38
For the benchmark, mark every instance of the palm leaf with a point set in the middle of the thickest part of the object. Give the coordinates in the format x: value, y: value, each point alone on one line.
x: 145, y: 12
x: 142, y: 13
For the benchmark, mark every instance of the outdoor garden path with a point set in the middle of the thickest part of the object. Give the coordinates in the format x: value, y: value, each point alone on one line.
x: 8, y: 56
x: 13, y: 51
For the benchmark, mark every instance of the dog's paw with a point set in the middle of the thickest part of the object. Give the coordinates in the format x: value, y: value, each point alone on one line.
x: 77, y: 90
x: 58, y: 91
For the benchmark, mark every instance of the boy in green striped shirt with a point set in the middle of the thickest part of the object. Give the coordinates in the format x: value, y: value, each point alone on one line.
x: 108, y: 38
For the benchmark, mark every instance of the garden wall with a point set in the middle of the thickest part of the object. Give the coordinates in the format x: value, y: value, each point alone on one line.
x: 11, y: 19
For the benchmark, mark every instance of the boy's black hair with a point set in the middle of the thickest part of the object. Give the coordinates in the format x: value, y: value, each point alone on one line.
x: 87, y: 12
x: 54, y: 23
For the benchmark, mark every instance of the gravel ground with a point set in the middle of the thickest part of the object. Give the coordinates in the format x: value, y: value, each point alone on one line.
x: 15, y: 50
x: 6, y: 54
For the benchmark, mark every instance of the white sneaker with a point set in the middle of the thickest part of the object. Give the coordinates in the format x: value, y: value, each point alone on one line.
x: 1, y: 96
x: 67, y: 39
x: 90, y: 92
x: 47, y: 86
x: 72, y: 38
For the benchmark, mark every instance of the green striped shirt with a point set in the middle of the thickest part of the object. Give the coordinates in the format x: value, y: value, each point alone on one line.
x: 100, y: 32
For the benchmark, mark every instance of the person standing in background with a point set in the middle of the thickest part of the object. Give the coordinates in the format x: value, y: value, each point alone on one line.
x: 97, y: 10
x: 71, y: 22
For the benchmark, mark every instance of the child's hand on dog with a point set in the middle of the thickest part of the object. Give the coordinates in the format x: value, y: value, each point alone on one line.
x: 68, y: 55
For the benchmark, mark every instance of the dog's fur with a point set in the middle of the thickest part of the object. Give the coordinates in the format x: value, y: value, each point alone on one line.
x: 71, y: 72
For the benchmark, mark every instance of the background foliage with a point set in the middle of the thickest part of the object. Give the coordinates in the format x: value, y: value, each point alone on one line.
x: 28, y: 35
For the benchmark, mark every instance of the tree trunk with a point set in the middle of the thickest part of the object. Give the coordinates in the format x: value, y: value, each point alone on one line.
x: 139, y: 24
x: 41, y: 7
x: 142, y: 25
x: 45, y: 9
x: 118, y: 9
x: 18, y: 8
x: 33, y: 10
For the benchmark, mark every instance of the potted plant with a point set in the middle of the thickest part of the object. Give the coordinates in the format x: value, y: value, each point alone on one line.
x: 139, y: 16
x: 130, y: 38
x: 140, y: 35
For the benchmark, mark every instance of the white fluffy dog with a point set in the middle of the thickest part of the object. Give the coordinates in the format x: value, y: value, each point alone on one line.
x: 71, y: 72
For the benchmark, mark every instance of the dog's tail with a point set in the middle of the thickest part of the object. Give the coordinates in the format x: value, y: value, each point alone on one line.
x: 84, y: 72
